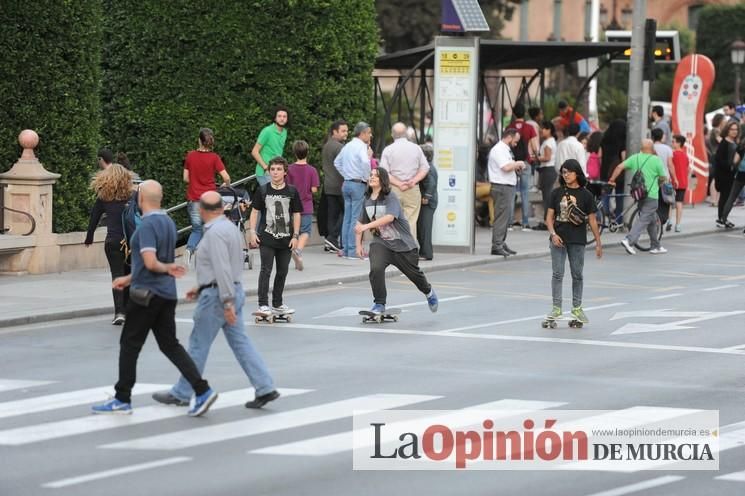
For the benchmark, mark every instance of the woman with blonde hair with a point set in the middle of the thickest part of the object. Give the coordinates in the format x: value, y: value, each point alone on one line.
x: 113, y: 188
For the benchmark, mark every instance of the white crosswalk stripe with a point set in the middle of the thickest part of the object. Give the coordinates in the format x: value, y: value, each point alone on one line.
x: 94, y: 423
x: 337, y: 443
x: 734, y: 477
x: 71, y: 398
x: 270, y: 423
x: 13, y: 384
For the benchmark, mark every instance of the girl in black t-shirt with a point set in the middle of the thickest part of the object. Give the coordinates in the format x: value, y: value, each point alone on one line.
x: 571, y: 207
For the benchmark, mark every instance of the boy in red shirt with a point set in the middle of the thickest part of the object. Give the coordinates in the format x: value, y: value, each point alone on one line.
x: 680, y: 162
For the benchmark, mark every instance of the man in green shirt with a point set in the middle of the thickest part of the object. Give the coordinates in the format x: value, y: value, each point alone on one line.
x: 653, y: 171
x: 270, y: 144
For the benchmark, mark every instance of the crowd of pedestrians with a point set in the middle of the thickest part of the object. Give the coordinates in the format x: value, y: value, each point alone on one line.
x: 391, y: 203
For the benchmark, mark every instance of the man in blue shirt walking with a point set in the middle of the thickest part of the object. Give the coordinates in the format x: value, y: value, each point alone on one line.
x: 353, y: 163
x: 152, y: 305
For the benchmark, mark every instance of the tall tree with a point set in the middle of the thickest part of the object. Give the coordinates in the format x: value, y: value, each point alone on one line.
x: 416, y: 22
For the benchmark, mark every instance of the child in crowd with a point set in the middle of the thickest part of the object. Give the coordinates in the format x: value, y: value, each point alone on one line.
x: 304, y: 178
x: 680, y: 162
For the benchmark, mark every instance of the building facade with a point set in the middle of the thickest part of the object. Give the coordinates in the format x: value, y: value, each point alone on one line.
x: 569, y: 20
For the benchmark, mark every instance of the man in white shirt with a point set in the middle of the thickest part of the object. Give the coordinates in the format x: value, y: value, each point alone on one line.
x: 570, y: 147
x: 502, y: 168
x: 406, y: 166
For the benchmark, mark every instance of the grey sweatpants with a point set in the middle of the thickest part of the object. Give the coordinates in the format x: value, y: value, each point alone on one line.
x: 647, y: 211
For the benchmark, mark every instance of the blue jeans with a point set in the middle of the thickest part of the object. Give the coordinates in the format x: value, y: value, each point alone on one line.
x: 208, y: 319
x: 354, y: 194
x: 523, y: 187
x: 576, y: 255
x: 196, y: 225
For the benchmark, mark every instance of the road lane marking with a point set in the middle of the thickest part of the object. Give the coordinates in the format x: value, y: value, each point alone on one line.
x: 522, y: 319
x: 666, y: 296
x: 507, y: 337
x: 351, y: 311
x: 640, y: 486
x: 72, y: 481
x: 71, y: 398
x: 338, y: 443
x: 735, y: 348
x: 13, y: 384
x: 717, y: 288
x: 261, y: 424
x: 94, y: 423
x: 734, y: 476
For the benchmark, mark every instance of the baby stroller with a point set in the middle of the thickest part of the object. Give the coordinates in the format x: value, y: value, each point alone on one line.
x: 236, y: 203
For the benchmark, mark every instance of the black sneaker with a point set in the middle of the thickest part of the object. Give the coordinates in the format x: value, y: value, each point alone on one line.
x: 509, y: 250
x: 500, y: 251
x: 262, y: 400
x: 331, y: 246
x: 720, y: 223
x: 168, y: 399
x: 728, y: 225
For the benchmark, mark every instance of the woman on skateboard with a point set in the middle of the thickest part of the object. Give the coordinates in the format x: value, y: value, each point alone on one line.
x: 392, y: 242
x: 570, y: 209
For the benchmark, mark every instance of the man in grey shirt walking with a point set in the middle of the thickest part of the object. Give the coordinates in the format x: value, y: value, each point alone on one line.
x: 332, y: 182
x: 220, y: 297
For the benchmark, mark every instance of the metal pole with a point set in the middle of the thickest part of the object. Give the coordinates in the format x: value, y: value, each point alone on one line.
x: 635, y: 116
x: 594, y: 36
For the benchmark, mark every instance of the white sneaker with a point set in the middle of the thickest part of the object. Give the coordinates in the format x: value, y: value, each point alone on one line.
x: 187, y: 257
x: 282, y: 310
x: 658, y: 251
x: 627, y: 246
x: 264, y: 309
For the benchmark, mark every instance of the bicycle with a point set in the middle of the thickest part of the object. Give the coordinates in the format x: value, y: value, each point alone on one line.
x: 607, y: 220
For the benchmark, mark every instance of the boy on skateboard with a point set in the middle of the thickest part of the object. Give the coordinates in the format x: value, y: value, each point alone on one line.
x: 392, y: 242
x: 280, y: 208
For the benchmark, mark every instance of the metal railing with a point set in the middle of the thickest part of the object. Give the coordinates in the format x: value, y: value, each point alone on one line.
x: 181, y: 205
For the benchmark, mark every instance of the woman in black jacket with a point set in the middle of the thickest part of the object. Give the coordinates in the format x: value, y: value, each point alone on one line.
x: 725, y: 160
x: 113, y: 187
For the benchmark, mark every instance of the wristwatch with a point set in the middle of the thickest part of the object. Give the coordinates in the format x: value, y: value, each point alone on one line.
x: 295, y: 236
x: 552, y: 233
x: 227, y: 305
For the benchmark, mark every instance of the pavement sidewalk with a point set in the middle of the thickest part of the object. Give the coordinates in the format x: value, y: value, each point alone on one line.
x: 39, y: 298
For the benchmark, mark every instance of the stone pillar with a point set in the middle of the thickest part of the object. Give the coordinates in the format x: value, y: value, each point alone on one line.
x: 28, y: 187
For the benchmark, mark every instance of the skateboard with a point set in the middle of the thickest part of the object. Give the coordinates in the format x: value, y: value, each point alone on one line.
x: 272, y: 317
x: 391, y: 314
x: 553, y: 323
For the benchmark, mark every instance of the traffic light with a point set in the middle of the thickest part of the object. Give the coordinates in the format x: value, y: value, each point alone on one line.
x: 650, y: 49
x: 666, y: 46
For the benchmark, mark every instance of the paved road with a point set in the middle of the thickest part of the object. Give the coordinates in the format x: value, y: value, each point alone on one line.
x: 484, y: 345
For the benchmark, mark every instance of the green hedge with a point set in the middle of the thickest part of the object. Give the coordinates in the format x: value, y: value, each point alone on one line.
x: 718, y: 27
x: 50, y: 82
x: 170, y: 68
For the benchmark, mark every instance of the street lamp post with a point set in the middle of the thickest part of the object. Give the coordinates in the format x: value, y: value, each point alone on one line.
x: 738, y: 58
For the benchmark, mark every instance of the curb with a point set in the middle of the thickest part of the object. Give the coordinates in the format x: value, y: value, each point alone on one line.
x: 471, y: 261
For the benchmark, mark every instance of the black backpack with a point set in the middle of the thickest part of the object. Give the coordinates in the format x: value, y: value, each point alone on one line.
x: 638, y: 188
x: 131, y: 220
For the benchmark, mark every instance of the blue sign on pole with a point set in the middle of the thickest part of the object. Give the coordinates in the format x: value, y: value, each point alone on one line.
x: 450, y: 22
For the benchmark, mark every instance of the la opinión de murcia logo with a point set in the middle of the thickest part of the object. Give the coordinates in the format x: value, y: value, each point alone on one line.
x: 401, y: 443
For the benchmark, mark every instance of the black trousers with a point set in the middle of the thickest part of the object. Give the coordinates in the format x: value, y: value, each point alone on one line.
x: 334, y: 218
x: 321, y: 212
x: 118, y: 268
x: 424, y: 231
x: 737, y: 185
x: 663, y: 210
x: 268, y: 255
x: 546, y: 181
x: 159, y: 316
x: 407, y: 262
x: 724, y: 186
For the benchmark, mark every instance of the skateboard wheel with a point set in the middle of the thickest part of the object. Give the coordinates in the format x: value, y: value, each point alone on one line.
x: 544, y: 324
x: 395, y: 318
x: 257, y: 320
x: 553, y: 325
x: 289, y: 319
